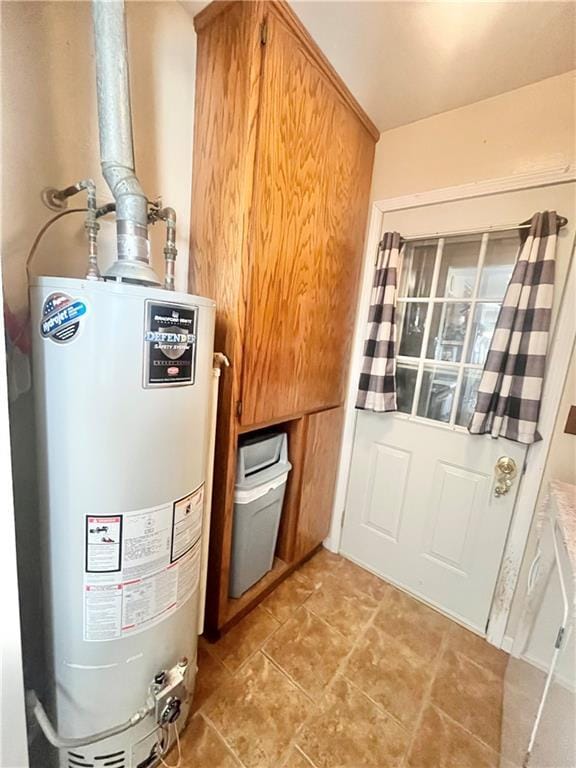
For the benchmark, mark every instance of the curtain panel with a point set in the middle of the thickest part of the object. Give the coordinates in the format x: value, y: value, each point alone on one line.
x: 510, y: 389
x: 377, y: 386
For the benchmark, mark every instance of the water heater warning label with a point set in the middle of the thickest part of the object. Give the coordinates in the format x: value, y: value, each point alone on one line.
x: 103, y: 544
x: 170, y: 344
x: 149, y: 583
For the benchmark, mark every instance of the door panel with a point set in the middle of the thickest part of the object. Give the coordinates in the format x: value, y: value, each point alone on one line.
x: 457, y: 500
x: 308, y: 221
x: 440, y: 530
x: 421, y: 509
x: 386, y: 489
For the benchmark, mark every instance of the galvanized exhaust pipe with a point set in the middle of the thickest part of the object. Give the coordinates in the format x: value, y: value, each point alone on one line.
x: 116, y: 144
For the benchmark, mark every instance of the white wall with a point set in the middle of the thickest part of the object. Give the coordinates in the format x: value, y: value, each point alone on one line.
x: 524, y: 130
x: 50, y: 133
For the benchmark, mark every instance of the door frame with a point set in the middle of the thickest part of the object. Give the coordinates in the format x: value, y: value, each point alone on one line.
x: 560, y: 352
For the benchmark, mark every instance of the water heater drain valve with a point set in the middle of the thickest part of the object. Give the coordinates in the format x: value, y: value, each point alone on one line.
x: 169, y: 691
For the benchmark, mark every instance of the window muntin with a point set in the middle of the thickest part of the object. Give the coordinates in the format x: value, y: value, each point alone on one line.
x: 449, y: 296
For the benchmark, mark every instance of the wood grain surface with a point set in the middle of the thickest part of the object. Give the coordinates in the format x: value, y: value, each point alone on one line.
x: 226, y: 107
x: 282, y: 166
x: 313, y: 169
x: 324, y: 434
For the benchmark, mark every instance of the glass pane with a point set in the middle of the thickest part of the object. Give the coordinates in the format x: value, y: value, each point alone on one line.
x: 447, y: 331
x: 437, y: 393
x: 405, y: 385
x: 411, y: 320
x: 458, y: 268
x: 417, y: 269
x: 498, y: 265
x: 468, y: 395
x: 485, y: 316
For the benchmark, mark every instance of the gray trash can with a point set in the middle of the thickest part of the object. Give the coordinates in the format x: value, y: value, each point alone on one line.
x: 261, y: 475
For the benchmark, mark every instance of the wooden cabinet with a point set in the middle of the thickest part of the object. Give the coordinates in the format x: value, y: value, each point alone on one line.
x: 319, y: 469
x: 282, y: 167
x: 307, y: 228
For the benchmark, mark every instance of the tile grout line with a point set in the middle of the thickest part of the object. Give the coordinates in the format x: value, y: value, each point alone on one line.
x: 305, y: 756
x: 253, y: 653
x: 379, y: 706
x: 468, y: 732
x: 440, y: 709
x: 287, y: 675
x: 426, y: 698
x: 220, y: 736
x: 340, y: 667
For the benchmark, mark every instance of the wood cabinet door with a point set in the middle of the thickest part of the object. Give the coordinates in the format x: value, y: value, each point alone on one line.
x: 319, y: 471
x: 309, y: 207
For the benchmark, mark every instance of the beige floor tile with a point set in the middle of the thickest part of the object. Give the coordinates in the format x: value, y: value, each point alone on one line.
x: 362, y: 580
x: 211, y: 674
x: 476, y: 648
x: 287, y: 598
x: 245, y: 638
x: 201, y: 746
x: 308, y: 650
x: 342, y: 606
x: 442, y: 743
x: 390, y: 674
x: 412, y: 623
x: 258, y: 713
x: 320, y: 567
x: 352, y: 732
x: 471, y: 695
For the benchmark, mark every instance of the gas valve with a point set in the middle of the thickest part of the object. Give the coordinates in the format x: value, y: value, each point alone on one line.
x: 171, y: 711
x: 168, y: 688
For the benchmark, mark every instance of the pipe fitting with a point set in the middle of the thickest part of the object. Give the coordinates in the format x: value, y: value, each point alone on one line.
x: 116, y: 144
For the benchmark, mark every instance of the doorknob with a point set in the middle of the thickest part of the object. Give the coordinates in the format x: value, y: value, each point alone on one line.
x: 505, y: 470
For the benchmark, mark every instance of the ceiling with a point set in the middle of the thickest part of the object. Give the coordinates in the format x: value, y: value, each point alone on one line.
x: 408, y: 60
x: 405, y: 60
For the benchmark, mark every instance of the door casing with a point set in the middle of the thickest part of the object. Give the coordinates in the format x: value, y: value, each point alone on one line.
x: 558, y: 360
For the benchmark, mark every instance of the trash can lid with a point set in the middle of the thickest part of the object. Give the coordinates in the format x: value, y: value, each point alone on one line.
x: 244, y: 495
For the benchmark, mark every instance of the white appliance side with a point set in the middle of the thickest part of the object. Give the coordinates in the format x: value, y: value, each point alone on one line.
x: 109, y: 447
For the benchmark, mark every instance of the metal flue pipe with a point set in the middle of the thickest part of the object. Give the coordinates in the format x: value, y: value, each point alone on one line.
x: 116, y: 144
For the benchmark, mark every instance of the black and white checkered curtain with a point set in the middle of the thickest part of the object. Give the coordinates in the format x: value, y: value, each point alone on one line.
x: 377, y: 386
x: 510, y: 389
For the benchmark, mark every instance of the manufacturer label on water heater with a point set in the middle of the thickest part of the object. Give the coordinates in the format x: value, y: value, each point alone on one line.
x: 61, y: 317
x: 170, y: 344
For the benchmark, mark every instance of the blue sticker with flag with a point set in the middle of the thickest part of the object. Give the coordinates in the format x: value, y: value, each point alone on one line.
x: 61, y: 316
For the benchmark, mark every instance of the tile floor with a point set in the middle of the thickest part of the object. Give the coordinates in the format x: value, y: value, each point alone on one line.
x: 337, y: 669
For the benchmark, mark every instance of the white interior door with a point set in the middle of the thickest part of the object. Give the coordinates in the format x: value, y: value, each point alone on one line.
x: 422, y: 509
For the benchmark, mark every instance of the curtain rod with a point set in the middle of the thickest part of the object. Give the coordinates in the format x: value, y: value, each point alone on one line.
x: 562, y: 221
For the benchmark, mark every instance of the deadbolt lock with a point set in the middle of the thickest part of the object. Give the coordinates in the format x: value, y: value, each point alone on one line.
x: 505, y: 470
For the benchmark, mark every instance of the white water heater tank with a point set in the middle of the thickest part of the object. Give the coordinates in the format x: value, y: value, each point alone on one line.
x: 122, y: 384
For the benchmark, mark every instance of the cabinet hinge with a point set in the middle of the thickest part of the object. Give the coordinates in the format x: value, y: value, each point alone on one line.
x: 264, y: 33
x: 239, y: 408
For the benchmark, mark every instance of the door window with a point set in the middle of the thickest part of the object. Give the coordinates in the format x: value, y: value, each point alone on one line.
x: 449, y: 295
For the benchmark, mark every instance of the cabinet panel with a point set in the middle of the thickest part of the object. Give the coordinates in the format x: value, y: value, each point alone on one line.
x: 313, y: 169
x: 226, y: 105
x: 319, y: 473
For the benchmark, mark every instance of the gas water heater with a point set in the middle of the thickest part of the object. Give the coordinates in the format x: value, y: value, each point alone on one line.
x: 122, y: 376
